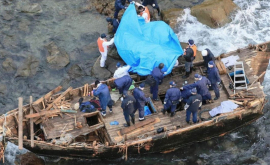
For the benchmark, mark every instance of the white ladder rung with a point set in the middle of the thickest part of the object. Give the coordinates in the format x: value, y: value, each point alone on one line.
x: 239, y: 75
x: 243, y: 81
x: 240, y: 87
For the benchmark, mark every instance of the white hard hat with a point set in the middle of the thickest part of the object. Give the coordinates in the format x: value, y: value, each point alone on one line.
x: 204, y: 52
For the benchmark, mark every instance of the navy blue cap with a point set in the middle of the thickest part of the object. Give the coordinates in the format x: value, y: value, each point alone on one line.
x: 194, y: 90
x: 197, y: 76
x: 118, y: 64
x: 190, y: 42
x: 142, y: 85
x: 172, y: 83
x: 103, y: 35
x: 211, y: 63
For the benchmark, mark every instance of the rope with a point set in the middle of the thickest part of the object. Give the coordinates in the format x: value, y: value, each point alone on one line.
x: 204, y: 119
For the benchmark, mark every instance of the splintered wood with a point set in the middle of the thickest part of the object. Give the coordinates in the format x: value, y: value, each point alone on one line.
x: 221, y: 67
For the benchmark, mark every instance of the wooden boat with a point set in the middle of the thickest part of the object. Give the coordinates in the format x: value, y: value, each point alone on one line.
x: 89, y: 135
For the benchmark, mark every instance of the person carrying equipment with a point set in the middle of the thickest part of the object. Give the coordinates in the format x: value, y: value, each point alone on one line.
x: 103, y: 48
x: 193, y: 104
x: 214, y: 78
x: 122, y: 84
x: 151, y: 3
x: 202, y: 89
x: 128, y: 106
x: 114, y: 22
x: 119, y: 5
x: 144, y: 12
x: 207, y: 57
x: 172, y: 98
x: 158, y: 75
x: 140, y: 100
x: 121, y: 71
x: 189, y: 56
x: 103, y: 93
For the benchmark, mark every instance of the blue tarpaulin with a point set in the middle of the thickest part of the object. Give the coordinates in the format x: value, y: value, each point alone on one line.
x: 144, y: 45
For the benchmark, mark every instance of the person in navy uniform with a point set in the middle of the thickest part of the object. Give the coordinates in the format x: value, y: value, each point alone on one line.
x: 189, y: 57
x: 214, y: 78
x: 128, y: 106
x: 207, y: 57
x: 103, y: 93
x: 193, y: 104
x: 122, y: 84
x: 172, y: 98
x: 158, y: 75
x: 114, y: 22
x: 140, y: 100
x: 202, y: 84
x: 119, y: 5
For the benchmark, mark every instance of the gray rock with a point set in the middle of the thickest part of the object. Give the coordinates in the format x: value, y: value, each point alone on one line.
x: 24, y: 25
x: 100, y: 73
x: 75, y: 71
x: 28, y: 68
x: 113, y: 53
x: 3, y: 89
x: 8, y: 15
x: 31, y: 8
x: 9, y: 65
x: 56, y: 57
x: 111, y: 63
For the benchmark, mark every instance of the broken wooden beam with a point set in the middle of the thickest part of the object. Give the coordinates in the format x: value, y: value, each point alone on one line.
x: 48, y: 95
x: 254, y: 103
x: 43, y: 113
x: 20, y: 138
x: 257, y: 79
x: 236, y: 102
x: 136, y: 126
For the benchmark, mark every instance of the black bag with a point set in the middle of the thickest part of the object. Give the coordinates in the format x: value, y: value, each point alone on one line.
x: 150, y: 80
x: 175, y: 102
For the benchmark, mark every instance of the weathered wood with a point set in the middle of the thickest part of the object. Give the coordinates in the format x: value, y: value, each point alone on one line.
x: 254, y: 103
x: 257, y: 79
x: 31, y: 123
x: 91, y: 114
x: 20, y: 105
x: 48, y: 95
x: 43, y: 113
x: 136, y: 126
x: 58, y: 98
x: 237, y: 102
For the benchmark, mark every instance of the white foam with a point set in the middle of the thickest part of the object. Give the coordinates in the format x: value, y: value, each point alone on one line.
x: 250, y: 24
x: 11, y: 151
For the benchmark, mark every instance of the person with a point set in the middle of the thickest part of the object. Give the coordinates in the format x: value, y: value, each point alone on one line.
x: 122, y: 84
x: 188, y: 55
x: 214, y: 78
x: 121, y: 70
x: 103, y: 93
x: 193, y: 104
x: 151, y: 3
x: 207, y: 57
x: 86, y: 107
x: 114, y: 22
x: 119, y: 5
x: 158, y: 75
x: 140, y: 100
x: 194, y: 48
x: 144, y: 12
x: 202, y: 89
x: 103, y: 48
x: 172, y: 98
x: 128, y: 106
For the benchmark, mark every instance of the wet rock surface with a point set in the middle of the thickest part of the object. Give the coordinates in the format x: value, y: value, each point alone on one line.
x: 29, y: 159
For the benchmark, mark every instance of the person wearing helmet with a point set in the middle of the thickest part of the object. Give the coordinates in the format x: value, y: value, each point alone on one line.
x: 158, y: 75
x: 193, y: 104
x: 207, y: 57
x: 103, y: 48
x: 114, y: 22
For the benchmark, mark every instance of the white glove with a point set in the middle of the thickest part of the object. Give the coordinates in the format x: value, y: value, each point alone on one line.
x: 165, y: 72
x: 122, y: 99
x: 180, y: 100
x: 181, y: 88
x: 153, y: 5
x: 186, y: 107
x: 125, y: 8
x: 218, y: 83
x: 133, y: 2
x: 164, y: 102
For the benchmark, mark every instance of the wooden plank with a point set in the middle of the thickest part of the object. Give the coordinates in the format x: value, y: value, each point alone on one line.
x: 20, y: 138
x: 31, y: 123
x: 43, y: 113
x: 137, y: 125
x: 257, y: 79
x: 48, y: 95
x: 58, y: 98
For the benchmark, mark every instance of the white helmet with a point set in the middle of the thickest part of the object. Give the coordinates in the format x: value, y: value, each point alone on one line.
x: 204, y: 52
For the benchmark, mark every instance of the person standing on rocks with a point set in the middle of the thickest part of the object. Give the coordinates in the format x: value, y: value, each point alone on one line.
x: 119, y: 5
x: 140, y: 100
x: 152, y: 3
x: 144, y: 12
x: 128, y: 106
x: 207, y: 57
x: 103, y: 48
x: 192, y: 106
x: 214, y: 77
x: 114, y: 22
x: 103, y: 93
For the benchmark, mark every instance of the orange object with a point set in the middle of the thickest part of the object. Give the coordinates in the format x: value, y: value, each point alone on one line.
x: 146, y: 11
x: 100, y: 42
x: 194, y: 48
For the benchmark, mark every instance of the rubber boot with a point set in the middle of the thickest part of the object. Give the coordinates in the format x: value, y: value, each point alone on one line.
x: 191, y: 69
x: 128, y: 124
x: 172, y: 114
x: 186, y: 76
x: 163, y: 111
x: 133, y: 120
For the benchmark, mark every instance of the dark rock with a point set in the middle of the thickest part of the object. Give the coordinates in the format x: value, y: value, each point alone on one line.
x: 3, y: 89
x: 111, y: 63
x: 8, y: 65
x: 30, y: 158
x: 112, y: 52
x: 29, y: 67
x: 56, y: 57
x: 31, y: 8
x: 24, y: 25
x: 75, y: 71
x: 100, y: 73
x: 65, y: 83
x: 13, y: 43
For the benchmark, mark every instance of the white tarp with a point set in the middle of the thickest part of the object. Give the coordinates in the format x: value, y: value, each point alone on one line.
x: 229, y: 61
x: 225, y: 107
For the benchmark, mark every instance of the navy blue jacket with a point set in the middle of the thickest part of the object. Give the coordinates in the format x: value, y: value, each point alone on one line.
x: 202, y: 86
x: 158, y: 74
x: 103, y: 93
x: 185, y: 93
x: 172, y: 94
x: 208, y: 58
x: 189, y: 57
x: 213, y: 75
x: 123, y: 83
x: 115, y: 24
x: 140, y: 98
x: 194, y: 102
x: 128, y: 104
x: 120, y: 4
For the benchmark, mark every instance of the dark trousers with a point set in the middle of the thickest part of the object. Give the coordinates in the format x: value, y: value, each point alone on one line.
x: 110, y: 104
x: 117, y: 10
x: 194, y: 116
x: 188, y: 65
x: 206, y: 97
x: 216, y: 89
x: 127, y: 116
x: 154, y: 91
x: 169, y: 107
x: 141, y: 112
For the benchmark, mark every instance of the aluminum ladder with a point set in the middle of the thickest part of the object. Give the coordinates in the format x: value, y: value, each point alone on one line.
x: 243, y: 75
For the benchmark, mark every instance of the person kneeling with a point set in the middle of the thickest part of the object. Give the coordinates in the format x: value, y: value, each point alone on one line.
x: 192, y: 106
x: 128, y: 106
